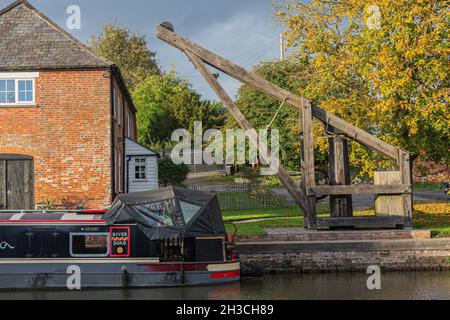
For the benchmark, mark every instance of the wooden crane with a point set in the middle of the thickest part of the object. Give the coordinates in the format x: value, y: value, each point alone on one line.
x: 340, y: 191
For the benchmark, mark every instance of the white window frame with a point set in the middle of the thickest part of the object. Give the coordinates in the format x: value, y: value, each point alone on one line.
x: 20, y: 76
x: 140, y: 164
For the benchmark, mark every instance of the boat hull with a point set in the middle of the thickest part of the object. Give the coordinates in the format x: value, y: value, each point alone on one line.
x: 83, y: 274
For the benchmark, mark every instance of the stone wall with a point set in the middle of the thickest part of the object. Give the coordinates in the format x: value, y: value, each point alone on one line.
x: 347, y: 256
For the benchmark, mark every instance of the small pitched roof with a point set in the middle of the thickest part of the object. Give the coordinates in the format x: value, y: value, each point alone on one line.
x: 31, y: 41
x: 133, y: 148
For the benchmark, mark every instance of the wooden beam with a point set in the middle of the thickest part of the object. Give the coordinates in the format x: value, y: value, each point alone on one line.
x: 3, y: 185
x: 341, y: 206
x: 252, y: 79
x: 363, y: 223
x: 406, y: 177
x: 287, y: 181
x: 360, y: 189
x: 308, y: 168
x: 356, y: 134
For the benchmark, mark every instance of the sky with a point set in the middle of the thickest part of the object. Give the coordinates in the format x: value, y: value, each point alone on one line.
x: 241, y: 30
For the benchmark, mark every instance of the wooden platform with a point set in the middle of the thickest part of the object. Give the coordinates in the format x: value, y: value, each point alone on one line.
x: 301, y: 234
x: 363, y: 223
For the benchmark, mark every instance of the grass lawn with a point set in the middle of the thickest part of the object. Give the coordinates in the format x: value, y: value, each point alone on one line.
x: 292, y: 212
x: 432, y: 216
x: 427, y: 186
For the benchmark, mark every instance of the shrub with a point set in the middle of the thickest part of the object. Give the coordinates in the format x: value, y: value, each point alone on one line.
x: 171, y: 174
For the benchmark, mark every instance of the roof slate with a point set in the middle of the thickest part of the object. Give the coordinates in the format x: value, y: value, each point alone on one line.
x: 29, y: 40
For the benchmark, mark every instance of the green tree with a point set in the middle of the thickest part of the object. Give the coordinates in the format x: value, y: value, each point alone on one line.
x: 167, y: 103
x: 383, y: 66
x: 129, y: 51
x: 171, y: 174
x: 259, y: 108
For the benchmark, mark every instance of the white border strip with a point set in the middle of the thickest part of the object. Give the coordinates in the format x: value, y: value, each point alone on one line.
x: 18, y: 75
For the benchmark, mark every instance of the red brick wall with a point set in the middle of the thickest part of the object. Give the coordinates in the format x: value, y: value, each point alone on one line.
x: 68, y: 133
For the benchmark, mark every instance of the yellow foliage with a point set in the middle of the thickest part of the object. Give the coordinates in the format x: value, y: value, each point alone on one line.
x: 392, y: 79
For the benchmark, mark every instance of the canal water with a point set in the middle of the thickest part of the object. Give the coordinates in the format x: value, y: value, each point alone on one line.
x: 399, y: 285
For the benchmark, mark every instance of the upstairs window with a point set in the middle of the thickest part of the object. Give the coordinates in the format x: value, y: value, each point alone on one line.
x: 8, y: 91
x: 26, y: 90
x: 16, y: 91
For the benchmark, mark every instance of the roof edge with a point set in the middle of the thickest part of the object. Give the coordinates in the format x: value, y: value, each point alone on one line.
x: 157, y: 153
x: 13, y: 5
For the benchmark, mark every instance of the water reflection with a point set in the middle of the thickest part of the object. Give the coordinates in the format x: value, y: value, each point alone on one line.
x: 401, y: 285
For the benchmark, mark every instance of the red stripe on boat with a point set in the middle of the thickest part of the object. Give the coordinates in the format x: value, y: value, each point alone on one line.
x: 94, y: 212
x: 223, y: 275
x: 176, y: 267
x: 54, y: 221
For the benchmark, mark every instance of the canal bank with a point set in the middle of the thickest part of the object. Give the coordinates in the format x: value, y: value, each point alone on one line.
x: 309, y: 252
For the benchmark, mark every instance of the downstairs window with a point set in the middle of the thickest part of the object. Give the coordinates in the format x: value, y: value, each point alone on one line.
x: 89, y: 244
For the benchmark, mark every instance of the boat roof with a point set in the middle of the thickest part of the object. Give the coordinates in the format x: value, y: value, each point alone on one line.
x: 45, y: 217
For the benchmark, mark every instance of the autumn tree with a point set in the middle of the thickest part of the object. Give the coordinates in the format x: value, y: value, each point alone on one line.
x: 129, y: 51
x: 167, y: 103
x: 383, y: 66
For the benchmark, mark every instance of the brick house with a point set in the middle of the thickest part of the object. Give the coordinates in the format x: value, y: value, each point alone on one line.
x: 65, y: 118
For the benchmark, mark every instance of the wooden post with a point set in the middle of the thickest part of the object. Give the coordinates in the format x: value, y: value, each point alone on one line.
x: 3, y: 185
x: 340, y: 206
x: 308, y: 167
x: 406, y: 176
x: 388, y: 205
x: 306, y: 221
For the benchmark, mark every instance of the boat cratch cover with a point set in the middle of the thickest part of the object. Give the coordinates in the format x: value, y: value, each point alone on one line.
x: 169, y: 213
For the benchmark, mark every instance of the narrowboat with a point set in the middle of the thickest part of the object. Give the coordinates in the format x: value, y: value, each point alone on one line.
x: 167, y: 237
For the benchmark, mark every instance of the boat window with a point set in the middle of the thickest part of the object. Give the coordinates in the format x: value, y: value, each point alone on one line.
x: 189, y: 210
x: 158, y: 214
x: 89, y: 244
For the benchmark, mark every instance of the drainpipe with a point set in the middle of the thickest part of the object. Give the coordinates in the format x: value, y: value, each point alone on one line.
x: 113, y: 142
x: 128, y: 173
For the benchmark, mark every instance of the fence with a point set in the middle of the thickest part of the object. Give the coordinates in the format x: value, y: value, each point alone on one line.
x: 237, y: 196
x: 222, y: 187
x: 245, y: 201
